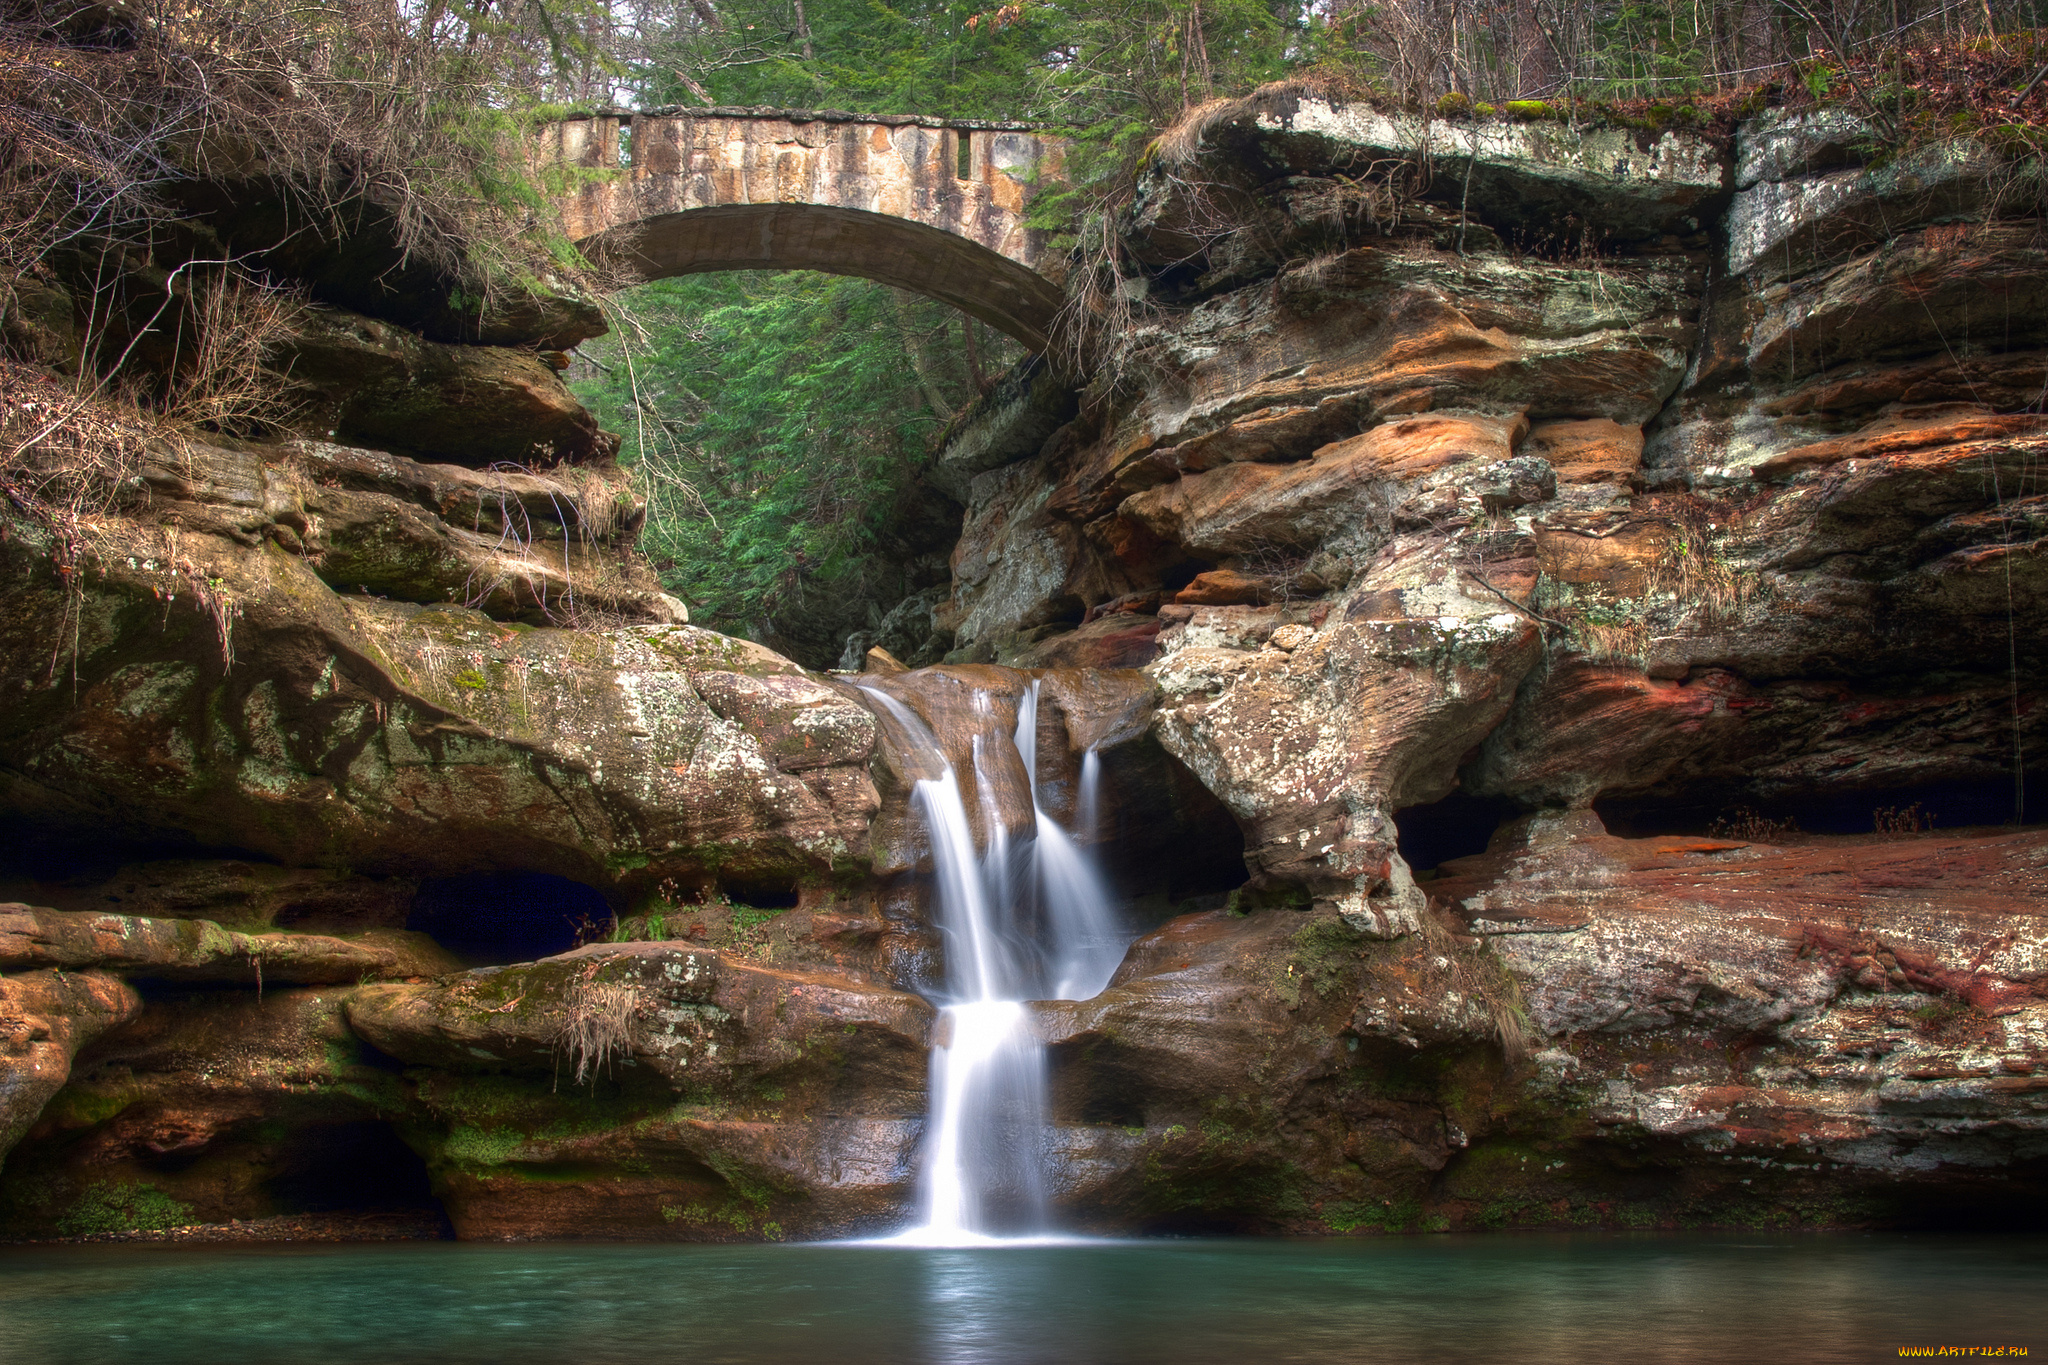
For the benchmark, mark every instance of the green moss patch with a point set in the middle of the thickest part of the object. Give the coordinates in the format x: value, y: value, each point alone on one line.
x: 112, y: 1206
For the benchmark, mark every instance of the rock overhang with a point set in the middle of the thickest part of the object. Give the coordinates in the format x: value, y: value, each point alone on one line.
x: 1529, y: 177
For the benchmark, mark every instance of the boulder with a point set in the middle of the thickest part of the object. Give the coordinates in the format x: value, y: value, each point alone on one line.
x: 781, y: 1102
x: 411, y: 741
x: 47, y: 1017
x: 1007, y: 424
x: 1784, y: 223
x: 1296, y: 417
x: 1312, y: 746
x: 1539, y: 179
x: 371, y: 383
x: 542, y: 549
x: 1662, y: 1032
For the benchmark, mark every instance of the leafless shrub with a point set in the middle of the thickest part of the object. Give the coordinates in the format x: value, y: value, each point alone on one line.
x: 597, y: 1023
x: 560, y: 557
x: 1902, y: 819
x: 1279, y: 566
x: 1749, y: 826
x: 66, y: 456
x: 222, y: 376
x: 352, y: 110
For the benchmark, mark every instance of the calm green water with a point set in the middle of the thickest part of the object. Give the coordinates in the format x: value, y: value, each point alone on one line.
x: 1509, y: 1298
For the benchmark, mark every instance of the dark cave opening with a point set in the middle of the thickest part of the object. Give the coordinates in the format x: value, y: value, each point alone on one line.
x: 61, y: 853
x: 492, y: 918
x: 2014, y: 1202
x: 764, y: 895
x: 1458, y: 826
x: 1943, y: 805
x: 360, y: 1167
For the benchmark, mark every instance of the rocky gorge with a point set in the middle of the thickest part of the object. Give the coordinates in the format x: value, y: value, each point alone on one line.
x: 1557, y: 611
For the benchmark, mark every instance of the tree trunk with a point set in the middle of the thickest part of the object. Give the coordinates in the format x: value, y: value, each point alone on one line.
x: 803, y: 29
x: 1536, y: 68
x: 973, y: 354
x: 915, y: 352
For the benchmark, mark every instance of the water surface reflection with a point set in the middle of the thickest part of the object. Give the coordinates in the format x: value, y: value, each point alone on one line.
x: 1521, y: 1298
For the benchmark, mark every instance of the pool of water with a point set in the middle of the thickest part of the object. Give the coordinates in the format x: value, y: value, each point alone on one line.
x: 1646, y: 1297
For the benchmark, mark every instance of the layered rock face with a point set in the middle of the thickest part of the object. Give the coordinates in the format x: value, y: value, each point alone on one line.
x: 1588, y: 1030
x: 1719, y: 496
x: 1523, y: 616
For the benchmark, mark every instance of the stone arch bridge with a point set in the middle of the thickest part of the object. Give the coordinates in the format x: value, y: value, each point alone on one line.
x: 931, y: 205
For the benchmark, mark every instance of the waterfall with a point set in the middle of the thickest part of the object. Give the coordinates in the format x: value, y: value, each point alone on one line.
x: 1023, y: 920
x: 1088, y: 804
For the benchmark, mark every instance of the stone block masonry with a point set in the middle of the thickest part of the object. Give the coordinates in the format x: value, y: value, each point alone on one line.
x: 938, y: 207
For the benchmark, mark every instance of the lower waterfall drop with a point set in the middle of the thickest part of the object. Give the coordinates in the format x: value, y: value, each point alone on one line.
x: 1029, y: 920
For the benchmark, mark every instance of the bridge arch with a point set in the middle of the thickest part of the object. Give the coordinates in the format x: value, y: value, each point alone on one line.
x: 929, y: 205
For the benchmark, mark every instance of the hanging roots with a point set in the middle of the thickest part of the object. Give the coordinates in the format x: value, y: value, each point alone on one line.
x: 597, y: 1022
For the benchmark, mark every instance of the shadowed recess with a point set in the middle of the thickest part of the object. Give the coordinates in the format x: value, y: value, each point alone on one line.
x: 351, y: 1167
x: 1949, y: 805
x: 1458, y: 826
x: 489, y: 918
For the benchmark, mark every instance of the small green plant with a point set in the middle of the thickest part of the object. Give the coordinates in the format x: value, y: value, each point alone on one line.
x: 111, y: 1206
x: 471, y: 680
x: 1528, y: 111
x: 749, y: 928
x: 1950, y: 1019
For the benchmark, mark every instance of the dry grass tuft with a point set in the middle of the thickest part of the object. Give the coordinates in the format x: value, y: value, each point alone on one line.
x: 1480, y: 973
x: 1181, y: 142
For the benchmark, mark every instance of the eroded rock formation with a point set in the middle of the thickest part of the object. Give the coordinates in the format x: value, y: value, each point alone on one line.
x: 1466, y: 586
